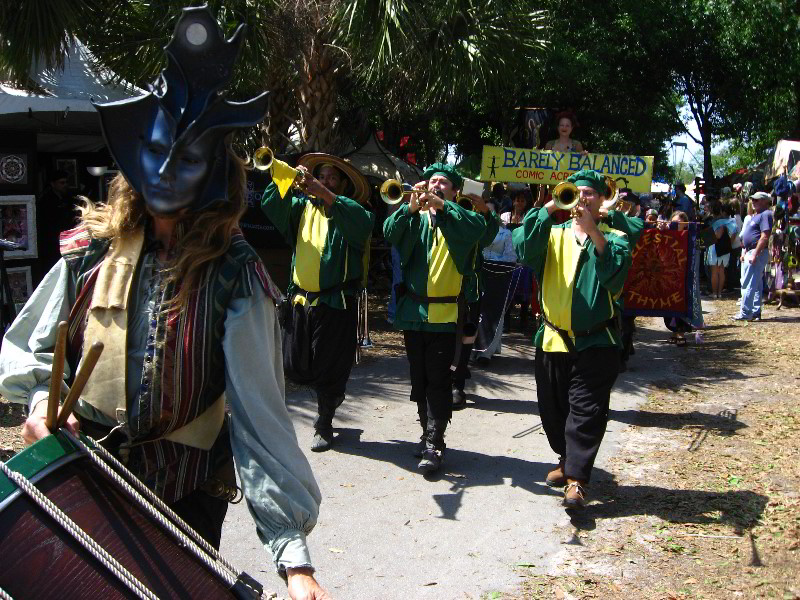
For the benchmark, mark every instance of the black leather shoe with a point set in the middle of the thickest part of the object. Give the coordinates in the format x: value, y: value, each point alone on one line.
x: 459, y: 399
x: 419, y: 449
x: 322, y: 441
x: 431, y: 461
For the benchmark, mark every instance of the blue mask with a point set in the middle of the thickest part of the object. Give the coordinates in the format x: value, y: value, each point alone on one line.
x: 173, y: 179
x: 171, y: 144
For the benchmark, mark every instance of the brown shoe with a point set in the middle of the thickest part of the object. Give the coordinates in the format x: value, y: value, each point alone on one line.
x: 575, y: 494
x: 556, y: 477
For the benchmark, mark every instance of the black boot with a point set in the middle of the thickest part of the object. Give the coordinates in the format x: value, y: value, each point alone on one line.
x: 523, y: 316
x: 434, y: 446
x: 419, y: 448
x: 459, y: 397
x: 323, y: 426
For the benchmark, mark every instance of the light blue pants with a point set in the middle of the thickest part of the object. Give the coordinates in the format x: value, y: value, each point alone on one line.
x: 753, y: 283
x: 397, y: 277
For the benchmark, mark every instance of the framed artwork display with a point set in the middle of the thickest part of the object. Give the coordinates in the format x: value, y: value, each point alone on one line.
x: 13, y: 168
x: 19, y: 278
x: 18, y: 224
x: 70, y: 167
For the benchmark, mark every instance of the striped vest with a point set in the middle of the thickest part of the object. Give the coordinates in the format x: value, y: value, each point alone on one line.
x: 184, y: 369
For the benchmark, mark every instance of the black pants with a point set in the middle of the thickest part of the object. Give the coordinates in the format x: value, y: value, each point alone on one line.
x: 430, y: 355
x: 573, y: 392
x: 628, y: 329
x: 319, y: 348
x: 204, y: 513
x: 461, y: 374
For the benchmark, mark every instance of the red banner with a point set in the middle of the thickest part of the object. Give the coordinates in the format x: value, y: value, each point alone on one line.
x: 660, y: 280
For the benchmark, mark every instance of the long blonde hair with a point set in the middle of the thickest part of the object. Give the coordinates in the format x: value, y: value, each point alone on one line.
x: 207, y: 234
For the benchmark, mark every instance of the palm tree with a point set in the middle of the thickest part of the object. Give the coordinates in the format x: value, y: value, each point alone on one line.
x: 312, y: 54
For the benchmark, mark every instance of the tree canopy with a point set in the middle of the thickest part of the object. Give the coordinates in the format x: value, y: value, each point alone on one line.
x: 450, y: 75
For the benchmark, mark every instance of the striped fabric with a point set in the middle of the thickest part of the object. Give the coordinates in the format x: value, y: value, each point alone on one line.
x: 184, y: 368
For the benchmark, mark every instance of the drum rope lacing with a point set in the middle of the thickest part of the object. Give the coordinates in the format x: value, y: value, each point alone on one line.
x: 108, y: 561
x: 4, y: 595
x: 208, y: 557
x: 145, y: 491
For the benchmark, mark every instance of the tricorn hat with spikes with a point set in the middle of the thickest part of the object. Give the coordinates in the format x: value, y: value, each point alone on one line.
x: 189, y: 95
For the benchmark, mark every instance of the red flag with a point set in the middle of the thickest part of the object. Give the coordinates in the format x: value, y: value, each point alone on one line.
x: 411, y: 158
x: 379, y: 135
x: 404, y: 140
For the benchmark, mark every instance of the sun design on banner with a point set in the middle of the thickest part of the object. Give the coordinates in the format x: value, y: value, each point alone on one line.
x: 657, y: 279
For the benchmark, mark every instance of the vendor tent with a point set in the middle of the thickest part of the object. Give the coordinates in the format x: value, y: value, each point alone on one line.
x: 374, y: 160
x: 59, y: 112
x: 787, y: 155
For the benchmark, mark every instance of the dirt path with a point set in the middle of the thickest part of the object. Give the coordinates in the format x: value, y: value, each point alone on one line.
x: 706, y: 500
x: 698, y: 496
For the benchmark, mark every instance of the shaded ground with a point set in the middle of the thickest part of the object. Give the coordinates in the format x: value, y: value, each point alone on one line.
x: 706, y: 501
x: 700, y: 498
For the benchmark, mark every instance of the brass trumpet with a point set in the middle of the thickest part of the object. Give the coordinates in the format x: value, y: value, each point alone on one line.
x: 465, y: 202
x: 264, y: 160
x: 612, y: 194
x: 392, y: 191
x: 566, y: 195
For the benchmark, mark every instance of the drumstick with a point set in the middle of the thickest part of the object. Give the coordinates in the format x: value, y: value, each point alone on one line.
x: 56, y: 376
x: 86, y: 368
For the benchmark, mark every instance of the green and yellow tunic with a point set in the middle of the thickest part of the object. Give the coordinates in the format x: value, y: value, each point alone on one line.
x: 329, y: 245
x: 473, y: 281
x: 434, y: 261
x: 578, y: 289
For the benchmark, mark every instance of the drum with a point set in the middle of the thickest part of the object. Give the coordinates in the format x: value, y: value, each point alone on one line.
x: 43, y: 559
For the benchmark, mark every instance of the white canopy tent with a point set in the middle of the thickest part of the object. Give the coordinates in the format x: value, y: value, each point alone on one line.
x: 785, y: 155
x: 61, y: 113
x: 374, y: 160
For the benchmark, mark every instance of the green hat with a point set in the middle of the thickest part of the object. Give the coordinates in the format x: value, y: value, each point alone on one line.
x: 591, y: 179
x: 448, y: 171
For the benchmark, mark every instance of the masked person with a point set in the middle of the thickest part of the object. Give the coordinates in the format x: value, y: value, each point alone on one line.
x: 581, y: 266
x: 436, y: 240
x: 187, y: 314
x: 330, y: 235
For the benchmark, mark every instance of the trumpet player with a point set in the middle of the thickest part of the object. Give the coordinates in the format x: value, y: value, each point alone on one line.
x: 581, y: 266
x: 329, y: 233
x: 436, y: 241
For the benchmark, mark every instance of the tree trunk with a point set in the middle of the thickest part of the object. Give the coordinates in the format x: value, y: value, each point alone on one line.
x: 316, y: 98
x: 282, y: 111
x: 708, y: 168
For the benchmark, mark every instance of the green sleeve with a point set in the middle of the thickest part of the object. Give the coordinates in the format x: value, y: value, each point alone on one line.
x: 461, y: 229
x: 283, y: 213
x: 492, y: 227
x: 402, y: 230
x: 612, y: 267
x: 531, y: 239
x: 353, y: 221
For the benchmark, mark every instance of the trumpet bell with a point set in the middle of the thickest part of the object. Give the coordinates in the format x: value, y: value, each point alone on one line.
x: 566, y: 195
x: 262, y: 159
x: 392, y: 191
x: 612, y: 194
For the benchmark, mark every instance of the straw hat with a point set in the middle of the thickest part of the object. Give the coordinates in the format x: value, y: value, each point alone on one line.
x: 358, y: 188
